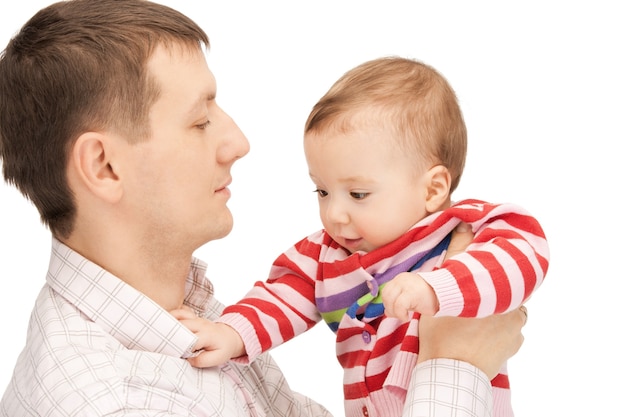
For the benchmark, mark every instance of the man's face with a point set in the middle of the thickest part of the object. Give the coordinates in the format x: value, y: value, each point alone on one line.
x: 178, y: 177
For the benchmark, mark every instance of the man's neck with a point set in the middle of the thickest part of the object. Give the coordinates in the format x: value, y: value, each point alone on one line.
x: 158, y: 273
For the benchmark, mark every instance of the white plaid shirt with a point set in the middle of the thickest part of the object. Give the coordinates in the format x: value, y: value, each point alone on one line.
x: 448, y: 388
x: 98, y: 347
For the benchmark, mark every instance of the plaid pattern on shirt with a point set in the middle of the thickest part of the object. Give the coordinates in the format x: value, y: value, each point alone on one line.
x: 459, y: 388
x: 98, y: 347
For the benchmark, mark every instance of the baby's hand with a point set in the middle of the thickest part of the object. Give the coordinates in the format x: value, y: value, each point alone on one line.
x: 219, y: 341
x: 407, y: 293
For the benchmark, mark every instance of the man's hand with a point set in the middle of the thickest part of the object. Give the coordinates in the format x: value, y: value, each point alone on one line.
x: 462, y: 236
x: 218, y: 341
x: 485, y: 343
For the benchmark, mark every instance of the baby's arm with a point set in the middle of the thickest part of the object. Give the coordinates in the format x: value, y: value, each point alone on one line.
x: 218, y: 341
x: 282, y: 307
x: 407, y: 292
x: 504, y: 264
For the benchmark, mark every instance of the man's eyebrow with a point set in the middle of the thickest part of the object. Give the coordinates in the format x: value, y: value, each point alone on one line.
x: 201, y: 101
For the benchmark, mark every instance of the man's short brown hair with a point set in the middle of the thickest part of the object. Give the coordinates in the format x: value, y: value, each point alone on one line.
x: 78, y: 66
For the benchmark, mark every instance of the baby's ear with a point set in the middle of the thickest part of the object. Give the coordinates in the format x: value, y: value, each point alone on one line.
x: 439, y: 180
x: 91, y: 165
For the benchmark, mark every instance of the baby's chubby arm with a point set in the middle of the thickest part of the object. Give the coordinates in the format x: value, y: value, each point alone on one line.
x: 408, y: 292
x: 218, y: 341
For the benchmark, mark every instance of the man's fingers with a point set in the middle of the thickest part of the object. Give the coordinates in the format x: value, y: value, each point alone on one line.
x: 462, y: 236
x: 524, y: 311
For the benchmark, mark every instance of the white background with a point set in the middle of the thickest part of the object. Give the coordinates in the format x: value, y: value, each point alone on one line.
x: 541, y: 84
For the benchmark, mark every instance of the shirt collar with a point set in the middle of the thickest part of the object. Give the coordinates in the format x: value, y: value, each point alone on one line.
x: 129, y: 316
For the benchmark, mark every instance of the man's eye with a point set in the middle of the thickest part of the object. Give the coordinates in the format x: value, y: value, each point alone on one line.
x: 321, y: 193
x: 204, y: 125
x: 358, y: 196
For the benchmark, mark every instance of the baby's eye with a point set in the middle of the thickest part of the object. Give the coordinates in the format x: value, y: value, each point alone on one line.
x: 321, y: 193
x: 358, y: 195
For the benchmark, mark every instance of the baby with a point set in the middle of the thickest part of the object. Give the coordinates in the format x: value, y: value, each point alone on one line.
x: 385, y: 148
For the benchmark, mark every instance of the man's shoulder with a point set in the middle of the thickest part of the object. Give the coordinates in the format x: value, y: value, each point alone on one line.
x: 66, y: 360
x: 57, y: 323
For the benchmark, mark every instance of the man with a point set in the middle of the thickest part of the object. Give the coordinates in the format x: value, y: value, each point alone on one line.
x: 109, y: 124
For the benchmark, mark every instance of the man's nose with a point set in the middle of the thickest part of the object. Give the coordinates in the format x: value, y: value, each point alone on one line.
x: 235, y: 145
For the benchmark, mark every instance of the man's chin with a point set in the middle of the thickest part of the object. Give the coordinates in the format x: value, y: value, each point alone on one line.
x: 221, y: 228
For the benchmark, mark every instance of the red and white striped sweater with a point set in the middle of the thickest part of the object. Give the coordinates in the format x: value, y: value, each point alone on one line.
x: 318, y: 279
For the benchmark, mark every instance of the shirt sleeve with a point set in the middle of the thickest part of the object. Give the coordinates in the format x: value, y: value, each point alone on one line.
x: 448, y: 388
x: 504, y: 264
x: 283, y: 306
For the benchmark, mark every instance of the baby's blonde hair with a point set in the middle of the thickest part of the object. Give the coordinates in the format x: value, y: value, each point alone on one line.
x: 409, y: 97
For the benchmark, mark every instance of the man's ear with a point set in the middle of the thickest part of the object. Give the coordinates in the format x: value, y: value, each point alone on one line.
x: 439, y: 180
x: 92, y: 165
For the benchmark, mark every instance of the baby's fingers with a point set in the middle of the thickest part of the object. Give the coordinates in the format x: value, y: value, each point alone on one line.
x: 184, y: 313
x: 395, y: 304
x: 402, y: 310
x: 209, y: 358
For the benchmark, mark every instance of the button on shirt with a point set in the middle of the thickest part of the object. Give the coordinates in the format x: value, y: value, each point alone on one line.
x: 98, y: 347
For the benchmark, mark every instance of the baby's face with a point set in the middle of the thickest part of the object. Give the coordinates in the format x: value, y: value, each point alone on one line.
x: 369, y: 190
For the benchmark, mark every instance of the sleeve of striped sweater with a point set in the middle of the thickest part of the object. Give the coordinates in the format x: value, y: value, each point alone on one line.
x: 505, y: 263
x: 283, y: 307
